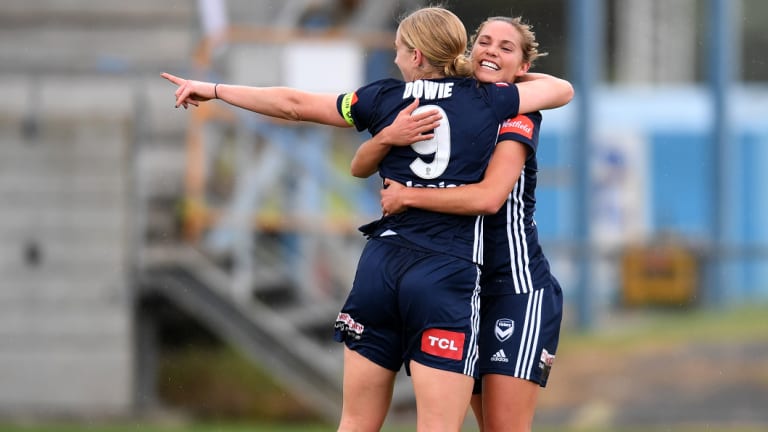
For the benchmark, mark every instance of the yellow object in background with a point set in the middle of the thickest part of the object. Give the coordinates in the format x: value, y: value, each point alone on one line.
x: 665, y: 274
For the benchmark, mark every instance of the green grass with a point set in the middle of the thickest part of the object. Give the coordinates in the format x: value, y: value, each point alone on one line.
x: 648, y: 329
x: 143, y: 427
x: 256, y: 427
x: 220, y: 383
x: 673, y: 326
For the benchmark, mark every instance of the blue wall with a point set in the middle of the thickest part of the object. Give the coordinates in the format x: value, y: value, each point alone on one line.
x: 675, y: 126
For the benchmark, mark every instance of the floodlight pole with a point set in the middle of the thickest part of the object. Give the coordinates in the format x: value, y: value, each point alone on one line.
x: 722, y: 62
x: 585, y: 33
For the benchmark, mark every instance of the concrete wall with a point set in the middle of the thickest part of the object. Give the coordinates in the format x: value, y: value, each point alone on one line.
x: 65, y: 306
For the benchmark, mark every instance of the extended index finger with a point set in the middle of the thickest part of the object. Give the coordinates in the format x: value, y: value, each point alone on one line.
x: 172, y: 78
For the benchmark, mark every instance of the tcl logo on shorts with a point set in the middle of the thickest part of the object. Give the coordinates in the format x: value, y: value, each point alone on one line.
x: 443, y: 343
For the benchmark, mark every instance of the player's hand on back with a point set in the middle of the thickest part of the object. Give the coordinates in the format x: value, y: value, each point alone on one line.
x: 391, y: 197
x: 409, y: 128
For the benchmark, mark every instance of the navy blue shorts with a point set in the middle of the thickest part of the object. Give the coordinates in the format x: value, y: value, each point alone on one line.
x: 408, y: 304
x: 519, y: 333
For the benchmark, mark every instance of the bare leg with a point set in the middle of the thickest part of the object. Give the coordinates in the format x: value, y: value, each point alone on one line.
x: 442, y: 398
x: 477, y: 409
x: 367, y: 394
x: 509, y: 403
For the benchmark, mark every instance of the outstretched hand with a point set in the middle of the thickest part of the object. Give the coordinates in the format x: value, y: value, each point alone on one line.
x: 391, y: 198
x: 190, y: 92
x: 409, y: 128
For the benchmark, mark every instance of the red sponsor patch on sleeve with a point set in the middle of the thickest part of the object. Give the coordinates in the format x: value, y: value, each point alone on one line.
x: 443, y: 343
x: 520, y: 125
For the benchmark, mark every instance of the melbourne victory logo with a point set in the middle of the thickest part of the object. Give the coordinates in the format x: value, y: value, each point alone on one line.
x: 504, y: 329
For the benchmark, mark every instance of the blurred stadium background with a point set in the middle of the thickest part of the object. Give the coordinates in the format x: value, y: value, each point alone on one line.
x: 162, y: 264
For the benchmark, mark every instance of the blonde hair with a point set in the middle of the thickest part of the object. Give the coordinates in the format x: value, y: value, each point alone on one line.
x: 529, y: 46
x: 441, y: 37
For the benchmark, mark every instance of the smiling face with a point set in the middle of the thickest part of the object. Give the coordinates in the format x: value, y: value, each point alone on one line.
x: 497, y: 53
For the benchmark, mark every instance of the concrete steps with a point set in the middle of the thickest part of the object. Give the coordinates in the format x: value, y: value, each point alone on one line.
x: 109, y: 36
x: 65, y: 314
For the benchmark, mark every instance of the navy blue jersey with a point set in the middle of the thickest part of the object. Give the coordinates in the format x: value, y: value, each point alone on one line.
x: 514, y: 261
x: 457, y: 155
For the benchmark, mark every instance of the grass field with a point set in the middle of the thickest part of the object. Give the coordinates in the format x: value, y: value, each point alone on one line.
x: 312, y: 428
x: 639, y: 334
x: 704, y: 368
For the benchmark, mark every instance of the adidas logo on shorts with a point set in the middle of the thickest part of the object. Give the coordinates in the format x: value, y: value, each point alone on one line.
x: 500, y: 356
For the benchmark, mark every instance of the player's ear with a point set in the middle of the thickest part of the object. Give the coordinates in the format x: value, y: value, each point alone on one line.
x: 523, y: 69
x: 417, y: 56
